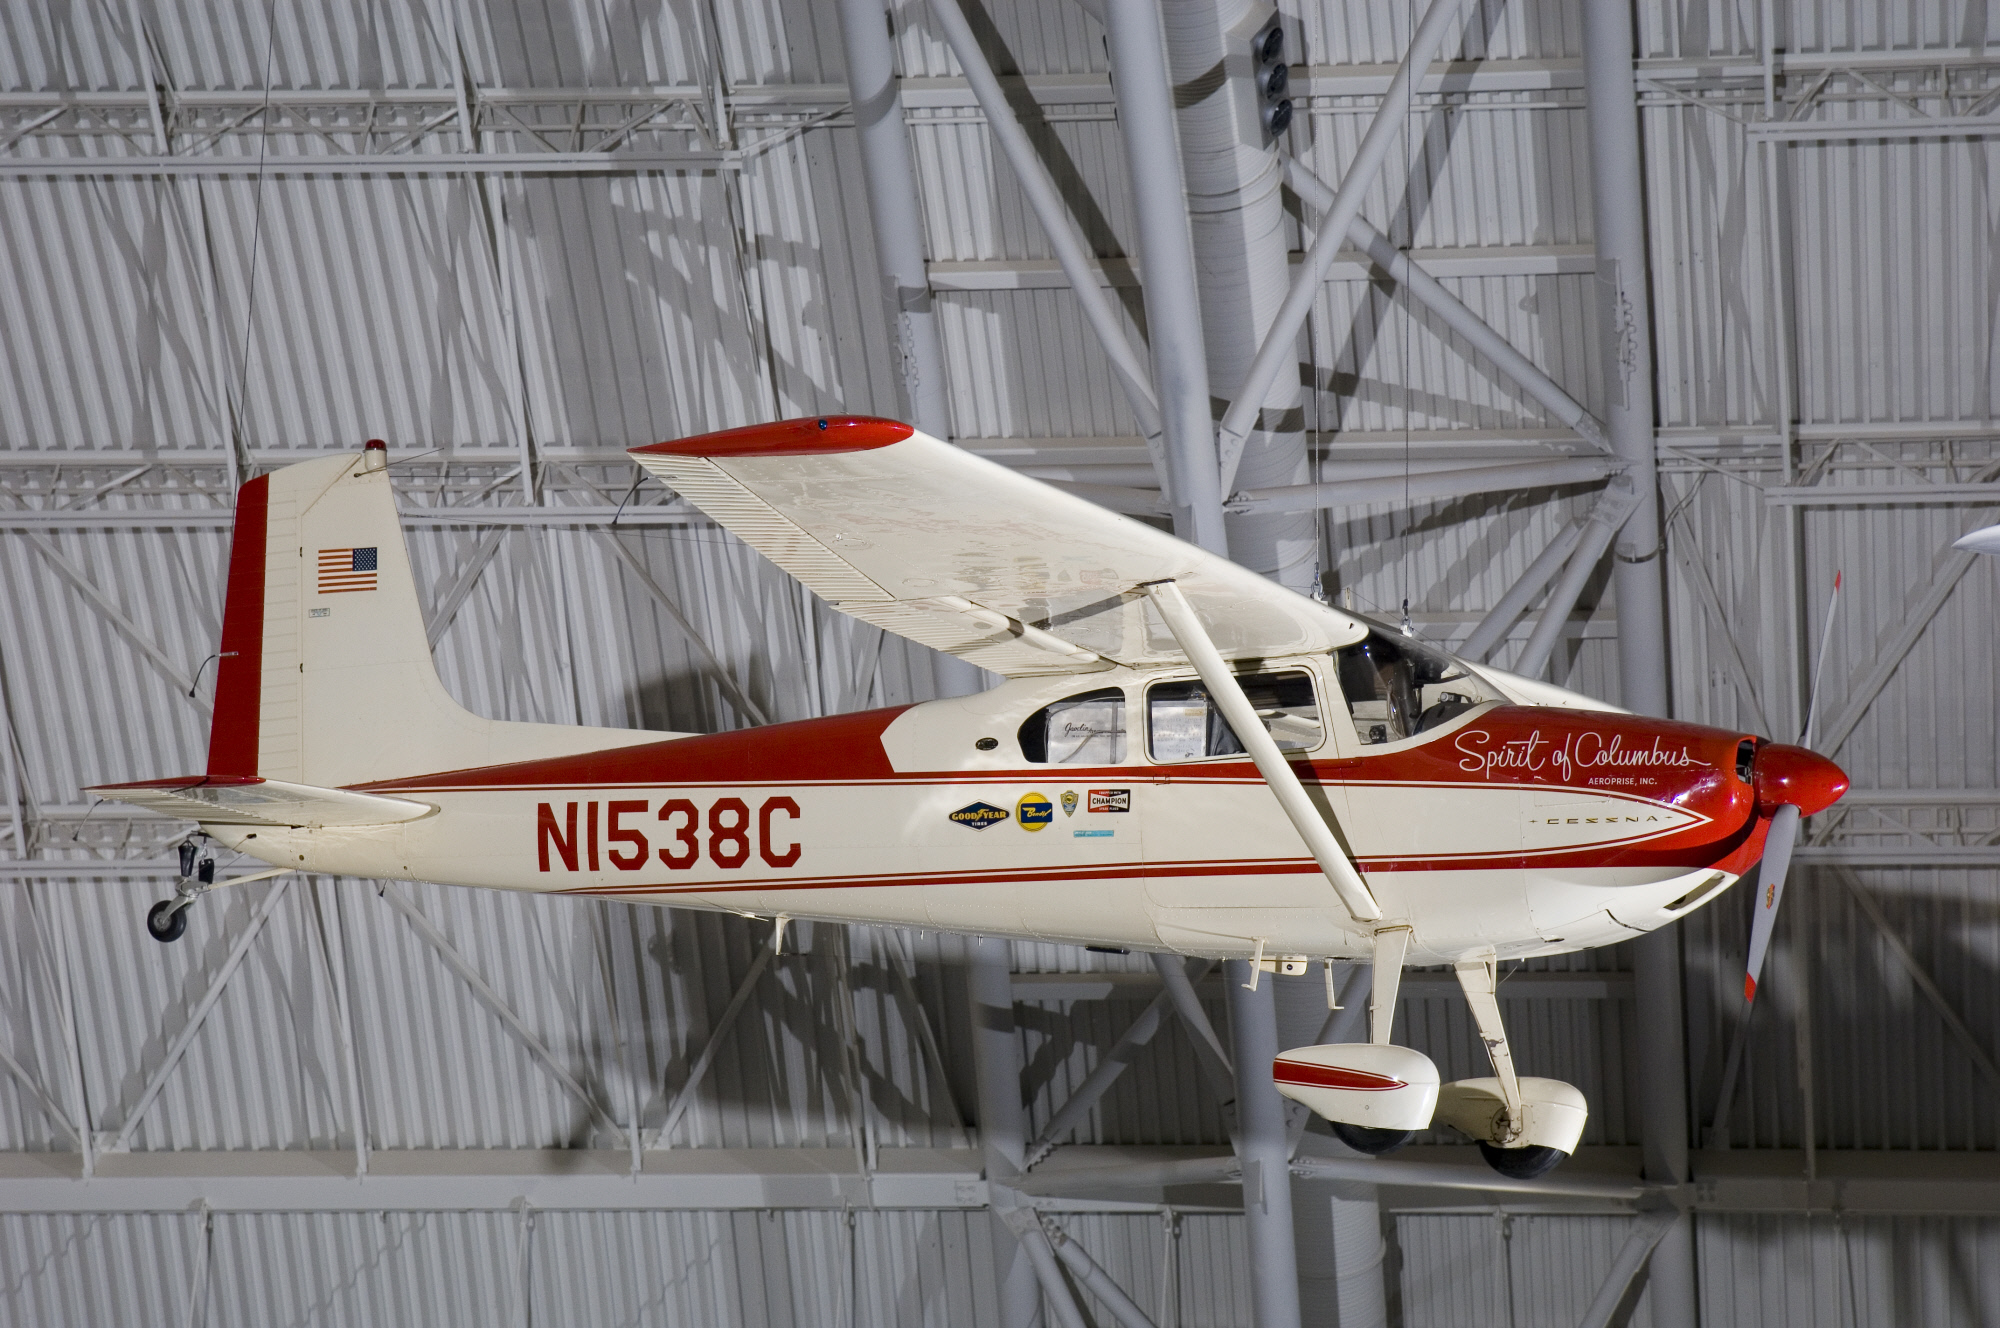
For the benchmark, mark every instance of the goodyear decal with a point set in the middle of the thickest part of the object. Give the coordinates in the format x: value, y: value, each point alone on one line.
x: 979, y: 815
x: 1069, y: 802
x: 1034, y: 811
x: 1111, y: 800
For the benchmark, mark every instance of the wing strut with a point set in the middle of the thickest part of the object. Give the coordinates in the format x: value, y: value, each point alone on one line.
x: 1257, y: 741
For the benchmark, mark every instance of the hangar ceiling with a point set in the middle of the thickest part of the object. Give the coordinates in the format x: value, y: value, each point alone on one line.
x: 516, y: 240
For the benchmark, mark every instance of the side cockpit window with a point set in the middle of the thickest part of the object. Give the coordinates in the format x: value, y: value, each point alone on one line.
x: 1077, y: 730
x: 1397, y: 687
x: 1183, y: 723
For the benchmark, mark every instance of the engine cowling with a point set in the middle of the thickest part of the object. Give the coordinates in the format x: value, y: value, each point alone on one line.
x: 1361, y: 1083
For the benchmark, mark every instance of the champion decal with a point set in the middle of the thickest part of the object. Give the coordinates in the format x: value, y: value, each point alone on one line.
x: 979, y: 815
x: 1111, y: 800
x: 1034, y: 811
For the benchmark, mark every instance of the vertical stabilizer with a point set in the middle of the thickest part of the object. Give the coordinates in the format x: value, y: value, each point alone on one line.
x: 326, y: 675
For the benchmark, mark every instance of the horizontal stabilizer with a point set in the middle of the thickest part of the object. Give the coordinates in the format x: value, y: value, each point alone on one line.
x: 247, y: 800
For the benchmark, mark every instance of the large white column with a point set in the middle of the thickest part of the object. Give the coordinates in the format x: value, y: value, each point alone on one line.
x: 1626, y: 333
x: 1237, y: 216
x: 1003, y: 1120
x: 1262, y: 1148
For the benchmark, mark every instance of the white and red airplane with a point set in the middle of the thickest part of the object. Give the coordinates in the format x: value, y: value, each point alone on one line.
x: 1185, y: 757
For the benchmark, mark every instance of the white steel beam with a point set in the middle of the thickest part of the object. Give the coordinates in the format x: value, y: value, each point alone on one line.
x: 1279, y: 350
x: 1263, y: 1148
x: 1095, y: 1280
x: 1868, y: 683
x: 732, y: 691
x: 1625, y: 332
x: 375, y: 163
x: 492, y: 1000
x: 109, y: 610
x: 716, y: 1037
x: 1041, y: 194
x: 196, y: 1018
x: 1600, y: 527
x: 40, y: 1097
x: 1172, y: 301
x: 1500, y: 619
x: 1003, y: 1122
x: 896, y: 213
x: 493, y: 1180
x: 1647, y: 1230
x: 1412, y: 276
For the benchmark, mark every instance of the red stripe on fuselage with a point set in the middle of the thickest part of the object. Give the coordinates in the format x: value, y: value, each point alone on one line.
x: 239, y: 674
x: 1509, y: 749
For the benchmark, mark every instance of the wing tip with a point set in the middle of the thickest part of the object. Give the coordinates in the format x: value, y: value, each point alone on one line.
x: 813, y: 435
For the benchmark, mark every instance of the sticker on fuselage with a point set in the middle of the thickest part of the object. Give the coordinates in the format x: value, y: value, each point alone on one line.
x: 1069, y: 801
x: 1093, y: 834
x: 1111, y: 800
x: 979, y: 815
x: 1034, y: 811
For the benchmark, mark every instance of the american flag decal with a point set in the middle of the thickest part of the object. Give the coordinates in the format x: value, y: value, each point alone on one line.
x: 342, y: 570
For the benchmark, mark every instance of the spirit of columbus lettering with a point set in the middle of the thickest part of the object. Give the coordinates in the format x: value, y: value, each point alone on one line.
x: 1480, y: 755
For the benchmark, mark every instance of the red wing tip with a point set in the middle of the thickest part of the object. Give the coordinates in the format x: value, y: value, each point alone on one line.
x: 1749, y: 989
x: 178, y: 782
x: 815, y: 435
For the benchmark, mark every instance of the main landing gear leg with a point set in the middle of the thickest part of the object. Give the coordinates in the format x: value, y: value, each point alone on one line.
x: 167, y: 921
x: 1524, y: 1127
x: 1391, y: 943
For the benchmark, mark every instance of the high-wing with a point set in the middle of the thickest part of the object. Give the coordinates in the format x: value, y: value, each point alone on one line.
x: 922, y: 539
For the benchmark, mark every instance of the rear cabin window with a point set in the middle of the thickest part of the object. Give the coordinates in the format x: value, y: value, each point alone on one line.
x: 1078, y: 730
x: 1183, y: 723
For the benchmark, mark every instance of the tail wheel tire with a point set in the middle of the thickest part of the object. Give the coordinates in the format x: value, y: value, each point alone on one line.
x: 1521, y: 1163
x: 166, y: 923
x: 1367, y: 1139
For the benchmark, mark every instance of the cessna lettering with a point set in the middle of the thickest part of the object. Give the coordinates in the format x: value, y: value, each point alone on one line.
x: 680, y: 832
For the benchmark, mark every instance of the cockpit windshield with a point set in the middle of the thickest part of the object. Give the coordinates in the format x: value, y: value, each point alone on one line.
x: 1398, y: 687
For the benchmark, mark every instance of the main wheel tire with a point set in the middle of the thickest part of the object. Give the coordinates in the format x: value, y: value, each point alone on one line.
x: 1521, y: 1163
x: 1367, y: 1139
x: 166, y: 923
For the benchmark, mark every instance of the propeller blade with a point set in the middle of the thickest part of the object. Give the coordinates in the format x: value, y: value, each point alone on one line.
x: 1770, y: 890
x: 1825, y: 641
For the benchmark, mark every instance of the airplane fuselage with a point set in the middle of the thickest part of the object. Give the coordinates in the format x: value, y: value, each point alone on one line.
x: 1526, y: 829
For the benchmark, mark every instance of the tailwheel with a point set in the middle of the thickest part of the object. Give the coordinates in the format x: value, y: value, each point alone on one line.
x: 1367, y: 1139
x: 1521, y: 1163
x: 167, y: 920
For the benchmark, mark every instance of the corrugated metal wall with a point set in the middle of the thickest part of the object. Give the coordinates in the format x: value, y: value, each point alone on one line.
x: 147, y: 318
